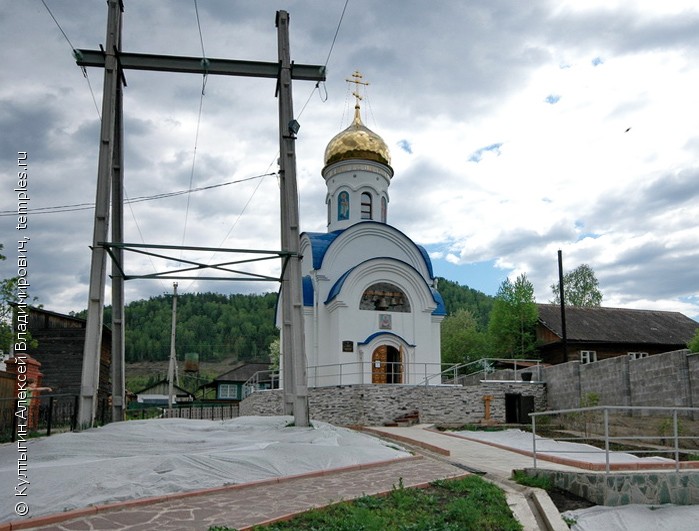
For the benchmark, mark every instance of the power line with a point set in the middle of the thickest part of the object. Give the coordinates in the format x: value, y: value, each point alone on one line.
x: 196, y: 135
x: 84, y: 70
x: 139, y: 199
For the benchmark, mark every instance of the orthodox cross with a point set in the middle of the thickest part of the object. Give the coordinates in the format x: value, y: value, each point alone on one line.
x: 357, y: 80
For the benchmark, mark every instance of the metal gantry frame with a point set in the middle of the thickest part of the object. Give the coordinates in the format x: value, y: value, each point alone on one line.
x: 110, y: 183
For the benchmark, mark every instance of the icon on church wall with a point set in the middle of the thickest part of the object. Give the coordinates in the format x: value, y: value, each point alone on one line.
x: 385, y: 321
x: 343, y: 206
x: 348, y: 346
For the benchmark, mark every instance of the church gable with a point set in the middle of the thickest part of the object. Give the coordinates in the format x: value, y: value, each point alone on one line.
x: 368, y: 283
x: 368, y: 240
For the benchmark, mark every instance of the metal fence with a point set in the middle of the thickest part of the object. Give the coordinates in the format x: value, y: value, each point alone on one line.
x: 656, y: 431
x: 197, y: 411
x: 203, y: 411
x: 45, y: 414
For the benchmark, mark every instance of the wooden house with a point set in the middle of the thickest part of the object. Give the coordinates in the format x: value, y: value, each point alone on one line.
x: 229, y: 385
x: 595, y: 334
x: 60, y: 343
x: 157, y: 394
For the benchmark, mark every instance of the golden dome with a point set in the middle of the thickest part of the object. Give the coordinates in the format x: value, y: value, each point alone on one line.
x: 357, y: 142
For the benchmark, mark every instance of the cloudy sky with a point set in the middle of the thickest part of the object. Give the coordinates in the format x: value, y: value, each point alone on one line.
x: 515, y: 128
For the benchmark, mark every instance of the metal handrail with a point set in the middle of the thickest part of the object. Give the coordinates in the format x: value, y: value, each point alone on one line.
x: 607, y: 438
x: 485, y: 365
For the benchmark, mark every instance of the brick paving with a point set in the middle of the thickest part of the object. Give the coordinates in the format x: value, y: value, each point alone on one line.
x: 242, y: 506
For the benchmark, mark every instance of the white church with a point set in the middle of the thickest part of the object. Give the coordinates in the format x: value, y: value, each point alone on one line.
x: 372, y: 312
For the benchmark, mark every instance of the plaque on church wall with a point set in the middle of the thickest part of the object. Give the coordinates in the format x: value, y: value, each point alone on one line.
x: 385, y: 321
x: 348, y: 346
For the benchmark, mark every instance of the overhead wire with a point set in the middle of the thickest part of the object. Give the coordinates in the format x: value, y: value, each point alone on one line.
x: 196, y: 135
x: 139, y: 199
x: 300, y: 113
x: 72, y: 48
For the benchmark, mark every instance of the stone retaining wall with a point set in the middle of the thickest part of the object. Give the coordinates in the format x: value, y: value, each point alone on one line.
x: 648, y: 488
x: 372, y: 405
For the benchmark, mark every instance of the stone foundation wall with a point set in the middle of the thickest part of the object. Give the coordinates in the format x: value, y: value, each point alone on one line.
x: 371, y: 405
x: 616, y: 489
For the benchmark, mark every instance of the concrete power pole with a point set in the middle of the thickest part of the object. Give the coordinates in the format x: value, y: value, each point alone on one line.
x: 107, y: 164
x: 110, y: 169
x: 171, y: 366
x: 293, y: 345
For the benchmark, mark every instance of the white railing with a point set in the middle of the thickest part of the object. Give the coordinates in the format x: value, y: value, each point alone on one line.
x: 667, y: 438
x: 486, y: 366
x: 362, y: 372
x: 261, y: 380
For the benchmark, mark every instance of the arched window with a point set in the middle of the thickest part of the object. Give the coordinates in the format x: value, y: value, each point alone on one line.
x: 343, y: 206
x: 384, y: 208
x: 384, y: 297
x: 366, y: 205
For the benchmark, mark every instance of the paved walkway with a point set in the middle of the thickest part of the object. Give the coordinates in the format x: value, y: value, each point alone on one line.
x: 244, y: 505
x: 241, y: 506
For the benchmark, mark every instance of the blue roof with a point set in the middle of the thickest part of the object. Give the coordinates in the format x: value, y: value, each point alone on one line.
x: 307, y: 291
x: 376, y: 334
x: 321, y: 242
x: 441, y: 308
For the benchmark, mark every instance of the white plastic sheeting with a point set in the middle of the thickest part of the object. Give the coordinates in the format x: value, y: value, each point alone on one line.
x: 138, y: 459
x: 599, y: 518
x: 635, y: 517
x: 522, y: 440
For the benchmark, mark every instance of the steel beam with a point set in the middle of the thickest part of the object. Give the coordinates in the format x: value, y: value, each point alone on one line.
x: 199, y: 65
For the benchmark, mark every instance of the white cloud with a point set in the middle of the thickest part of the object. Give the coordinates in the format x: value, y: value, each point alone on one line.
x: 606, y: 149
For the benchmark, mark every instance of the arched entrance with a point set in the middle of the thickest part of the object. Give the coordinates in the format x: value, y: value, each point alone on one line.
x: 386, y: 365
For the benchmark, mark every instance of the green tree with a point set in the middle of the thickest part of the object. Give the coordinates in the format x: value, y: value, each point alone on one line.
x: 462, y: 341
x: 580, y: 288
x: 693, y: 344
x: 512, y: 327
x: 8, y: 295
x: 274, y: 351
x: 457, y: 297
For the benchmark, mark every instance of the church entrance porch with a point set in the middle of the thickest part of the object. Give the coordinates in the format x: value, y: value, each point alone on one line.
x: 386, y: 365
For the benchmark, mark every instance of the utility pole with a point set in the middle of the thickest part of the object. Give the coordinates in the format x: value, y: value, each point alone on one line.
x: 293, y: 345
x: 109, y: 136
x: 563, y: 306
x: 173, y: 355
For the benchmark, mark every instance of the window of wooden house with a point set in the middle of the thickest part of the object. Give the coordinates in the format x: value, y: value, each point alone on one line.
x: 228, y: 391
x: 637, y: 355
x: 588, y: 356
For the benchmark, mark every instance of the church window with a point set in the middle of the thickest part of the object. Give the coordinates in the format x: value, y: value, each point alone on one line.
x: 384, y: 297
x: 366, y: 205
x: 343, y: 206
x: 384, y: 208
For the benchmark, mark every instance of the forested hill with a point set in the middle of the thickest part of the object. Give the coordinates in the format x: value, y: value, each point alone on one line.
x: 235, y: 326
x: 458, y: 297
x: 215, y: 326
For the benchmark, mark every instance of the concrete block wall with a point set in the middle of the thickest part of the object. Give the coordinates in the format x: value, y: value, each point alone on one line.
x: 693, y: 373
x: 660, y: 380
x: 608, y: 379
x: 563, y: 385
x: 668, y: 380
x: 368, y: 405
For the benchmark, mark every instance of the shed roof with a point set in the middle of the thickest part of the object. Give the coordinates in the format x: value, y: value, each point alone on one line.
x: 242, y: 372
x: 619, y: 325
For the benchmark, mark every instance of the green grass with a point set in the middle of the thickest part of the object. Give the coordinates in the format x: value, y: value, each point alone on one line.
x: 539, y: 482
x: 448, y: 505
